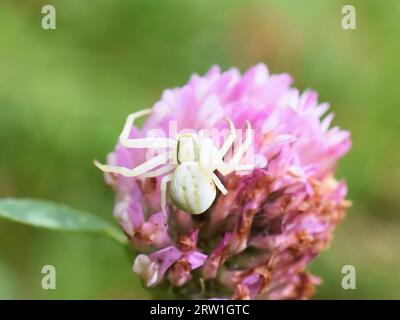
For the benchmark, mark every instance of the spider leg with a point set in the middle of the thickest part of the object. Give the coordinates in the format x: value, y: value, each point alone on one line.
x: 163, y: 187
x: 206, y: 153
x: 142, y: 142
x: 141, y: 169
x: 227, y: 168
x: 218, y: 183
x: 160, y: 171
x: 209, y: 154
x: 229, y: 140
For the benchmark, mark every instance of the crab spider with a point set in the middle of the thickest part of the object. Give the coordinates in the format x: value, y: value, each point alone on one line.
x: 195, y: 159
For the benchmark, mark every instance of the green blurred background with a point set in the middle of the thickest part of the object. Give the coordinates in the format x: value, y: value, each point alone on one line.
x: 64, y: 96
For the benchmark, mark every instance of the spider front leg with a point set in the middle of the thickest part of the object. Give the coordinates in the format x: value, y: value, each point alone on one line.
x: 210, y: 156
x: 142, y: 142
x: 163, y: 187
x: 139, y: 170
x: 207, y: 151
x: 160, y: 171
x: 218, y: 183
x: 229, y: 140
x: 233, y: 164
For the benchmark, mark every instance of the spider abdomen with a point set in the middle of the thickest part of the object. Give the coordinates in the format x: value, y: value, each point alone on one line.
x: 192, y: 190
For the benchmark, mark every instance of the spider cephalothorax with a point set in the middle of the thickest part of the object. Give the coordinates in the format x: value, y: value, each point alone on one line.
x: 189, y: 164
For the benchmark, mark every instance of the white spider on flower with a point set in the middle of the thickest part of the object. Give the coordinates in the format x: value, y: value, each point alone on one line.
x: 194, y: 157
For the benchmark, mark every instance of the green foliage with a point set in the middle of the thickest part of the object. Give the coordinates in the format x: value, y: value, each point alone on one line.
x: 54, y: 216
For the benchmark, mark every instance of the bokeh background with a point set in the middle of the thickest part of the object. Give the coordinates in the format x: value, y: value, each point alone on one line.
x: 64, y: 96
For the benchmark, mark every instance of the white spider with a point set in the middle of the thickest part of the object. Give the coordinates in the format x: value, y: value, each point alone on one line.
x: 194, y: 160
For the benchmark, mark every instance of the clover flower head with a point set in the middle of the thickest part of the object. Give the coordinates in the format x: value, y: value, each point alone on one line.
x: 255, y: 241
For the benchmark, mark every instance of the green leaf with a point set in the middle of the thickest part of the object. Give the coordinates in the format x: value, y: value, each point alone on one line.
x: 55, y: 216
